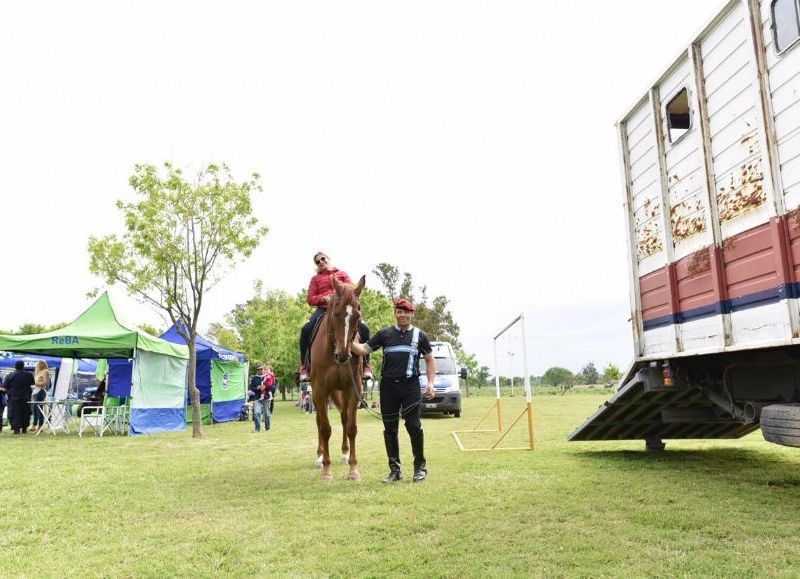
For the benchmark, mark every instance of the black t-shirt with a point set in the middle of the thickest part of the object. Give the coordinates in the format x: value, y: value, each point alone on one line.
x: 255, y: 383
x: 19, y: 385
x: 401, y: 351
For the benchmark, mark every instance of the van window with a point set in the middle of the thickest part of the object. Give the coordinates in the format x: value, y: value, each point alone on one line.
x: 443, y: 366
x: 679, y: 118
x: 785, y: 23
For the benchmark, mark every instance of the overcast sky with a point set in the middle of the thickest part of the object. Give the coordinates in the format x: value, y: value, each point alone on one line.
x: 469, y: 143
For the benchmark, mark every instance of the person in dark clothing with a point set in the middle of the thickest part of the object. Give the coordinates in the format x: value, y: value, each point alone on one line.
x: 2, y: 402
x: 402, y: 345
x: 19, y: 386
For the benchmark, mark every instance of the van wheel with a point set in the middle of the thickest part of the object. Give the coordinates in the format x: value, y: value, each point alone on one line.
x: 457, y: 413
x: 780, y: 423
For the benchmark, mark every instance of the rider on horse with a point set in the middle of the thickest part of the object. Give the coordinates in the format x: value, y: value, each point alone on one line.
x: 320, y: 292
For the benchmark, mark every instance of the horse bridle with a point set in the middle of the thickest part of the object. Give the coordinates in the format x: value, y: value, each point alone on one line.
x: 330, y: 331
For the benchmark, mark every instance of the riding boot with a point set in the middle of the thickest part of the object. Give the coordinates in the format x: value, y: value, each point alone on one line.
x: 418, y: 448
x: 393, y: 452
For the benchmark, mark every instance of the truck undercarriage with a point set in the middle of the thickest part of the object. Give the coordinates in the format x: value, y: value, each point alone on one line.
x: 710, y: 396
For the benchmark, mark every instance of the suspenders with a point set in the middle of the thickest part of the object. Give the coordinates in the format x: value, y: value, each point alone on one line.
x: 412, y: 351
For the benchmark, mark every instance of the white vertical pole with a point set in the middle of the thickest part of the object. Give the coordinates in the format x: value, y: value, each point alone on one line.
x: 526, y: 375
x: 496, y: 371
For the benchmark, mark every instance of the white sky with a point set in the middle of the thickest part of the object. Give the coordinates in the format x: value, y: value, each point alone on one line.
x: 474, y: 142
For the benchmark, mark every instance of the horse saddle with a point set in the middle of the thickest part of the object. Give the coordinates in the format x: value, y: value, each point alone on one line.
x: 311, y: 339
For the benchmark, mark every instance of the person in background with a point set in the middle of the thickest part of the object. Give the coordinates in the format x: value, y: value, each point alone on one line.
x: 99, y: 395
x: 96, y: 398
x: 320, y: 293
x: 269, y: 386
x: 41, y: 384
x: 19, y: 386
x: 402, y: 344
x: 2, y: 402
x: 261, y: 398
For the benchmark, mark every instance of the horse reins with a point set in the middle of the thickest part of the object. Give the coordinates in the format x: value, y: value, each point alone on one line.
x: 362, y: 401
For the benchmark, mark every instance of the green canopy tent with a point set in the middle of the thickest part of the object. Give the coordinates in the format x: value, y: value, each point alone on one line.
x: 159, y: 375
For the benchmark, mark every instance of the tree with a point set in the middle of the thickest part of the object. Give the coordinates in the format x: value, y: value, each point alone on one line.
x: 434, y: 318
x: 33, y: 328
x: 152, y: 330
x: 388, y: 275
x: 268, y: 326
x: 224, y: 336
x: 611, y: 374
x: 180, y: 239
x: 482, y: 376
x: 557, y: 376
x: 589, y: 373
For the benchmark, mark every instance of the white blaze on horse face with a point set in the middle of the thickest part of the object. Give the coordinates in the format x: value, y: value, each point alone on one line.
x: 349, y: 310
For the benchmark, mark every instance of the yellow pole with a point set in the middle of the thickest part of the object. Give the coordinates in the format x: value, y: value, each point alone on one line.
x: 499, y: 416
x: 531, y: 440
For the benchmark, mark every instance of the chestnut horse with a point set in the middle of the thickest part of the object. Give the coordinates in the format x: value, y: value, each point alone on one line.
x: 336, y: 373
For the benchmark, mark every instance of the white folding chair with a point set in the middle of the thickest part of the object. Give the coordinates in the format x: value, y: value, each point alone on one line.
x: 95, y: 419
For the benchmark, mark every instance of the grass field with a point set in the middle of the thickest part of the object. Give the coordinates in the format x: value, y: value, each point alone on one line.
x: 241, y: 504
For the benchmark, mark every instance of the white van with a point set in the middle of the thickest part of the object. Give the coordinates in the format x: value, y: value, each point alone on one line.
x: 447, y: 390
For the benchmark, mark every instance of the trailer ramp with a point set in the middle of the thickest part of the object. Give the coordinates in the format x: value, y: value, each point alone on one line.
x: 643, y: 408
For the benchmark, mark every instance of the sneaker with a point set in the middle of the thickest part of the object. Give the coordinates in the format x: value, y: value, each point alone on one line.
x: 393, y: 477
x: 303, y: 374
x: 367, y: 373
x: 420, y: 474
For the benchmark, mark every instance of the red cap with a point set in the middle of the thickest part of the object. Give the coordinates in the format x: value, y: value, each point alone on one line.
x: 404, y: 304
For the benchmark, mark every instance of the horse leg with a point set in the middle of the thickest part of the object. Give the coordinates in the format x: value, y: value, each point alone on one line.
x: 345, y: 445
x: 352, y: 431
x: 324, y: 430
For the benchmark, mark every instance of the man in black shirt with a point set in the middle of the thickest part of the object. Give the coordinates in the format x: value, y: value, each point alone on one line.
x: 402, y: 345
x: 19, y: 386
x: 2, y: 402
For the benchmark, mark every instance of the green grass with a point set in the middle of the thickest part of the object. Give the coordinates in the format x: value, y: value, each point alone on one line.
x: 242, y: 504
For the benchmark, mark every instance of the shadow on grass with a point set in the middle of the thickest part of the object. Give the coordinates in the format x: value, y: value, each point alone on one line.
x: 746, y: 465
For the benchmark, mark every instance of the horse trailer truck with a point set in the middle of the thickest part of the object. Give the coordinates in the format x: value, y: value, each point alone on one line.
x: 710, y: 159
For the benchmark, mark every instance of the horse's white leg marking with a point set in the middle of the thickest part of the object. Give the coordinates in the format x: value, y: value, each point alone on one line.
x: 318, y: 463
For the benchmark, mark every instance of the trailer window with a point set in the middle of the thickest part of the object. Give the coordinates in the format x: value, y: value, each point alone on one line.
x: 785, y: 23
x: 679, y: 118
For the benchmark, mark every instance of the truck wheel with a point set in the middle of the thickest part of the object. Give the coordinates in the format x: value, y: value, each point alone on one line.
x: 780, y: 423
x: 457, y: 413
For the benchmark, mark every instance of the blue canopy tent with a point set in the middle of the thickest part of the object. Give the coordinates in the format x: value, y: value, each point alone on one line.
x: 8, y: 359
x: 226, y: 398
x: 212, y: 360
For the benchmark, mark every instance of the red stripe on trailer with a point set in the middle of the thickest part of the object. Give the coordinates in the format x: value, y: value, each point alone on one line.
x: 750, y: 262
x: 654, y: 289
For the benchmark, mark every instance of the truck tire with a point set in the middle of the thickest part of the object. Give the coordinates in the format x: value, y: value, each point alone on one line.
x: 457, y: 413
x: 780, y: 423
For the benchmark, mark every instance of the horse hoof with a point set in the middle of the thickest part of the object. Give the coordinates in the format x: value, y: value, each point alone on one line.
x: 355, y: 476
x: 327, y: 477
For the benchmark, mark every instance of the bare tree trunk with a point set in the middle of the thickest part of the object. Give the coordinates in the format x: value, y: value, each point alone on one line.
x: 194, y: 393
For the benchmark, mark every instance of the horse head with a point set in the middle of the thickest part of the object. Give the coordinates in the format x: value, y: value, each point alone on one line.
x: 345, y: 312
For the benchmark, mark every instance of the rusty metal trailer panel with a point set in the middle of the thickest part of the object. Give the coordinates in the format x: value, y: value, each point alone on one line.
x: 711, y: 170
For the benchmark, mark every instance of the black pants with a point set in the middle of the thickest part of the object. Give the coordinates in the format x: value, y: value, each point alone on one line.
x: 305, y: 334
x: 401, y: 398
x: 20, y: 413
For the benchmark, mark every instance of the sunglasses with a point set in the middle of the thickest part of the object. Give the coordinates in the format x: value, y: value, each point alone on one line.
x: 320, y: 260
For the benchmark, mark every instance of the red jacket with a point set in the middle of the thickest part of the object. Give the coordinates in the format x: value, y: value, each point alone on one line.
x: 321, y: 286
